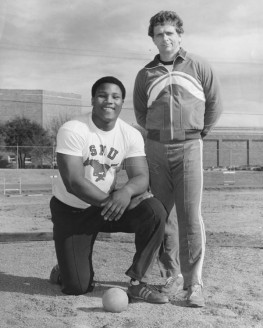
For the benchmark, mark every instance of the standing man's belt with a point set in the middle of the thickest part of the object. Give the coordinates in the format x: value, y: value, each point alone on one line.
x: 162, y: 135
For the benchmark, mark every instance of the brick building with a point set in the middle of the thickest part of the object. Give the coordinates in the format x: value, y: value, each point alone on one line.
x: 38, y: 105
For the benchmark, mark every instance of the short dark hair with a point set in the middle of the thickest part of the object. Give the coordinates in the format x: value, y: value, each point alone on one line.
x: 108, y: 79
x: 163, y: 17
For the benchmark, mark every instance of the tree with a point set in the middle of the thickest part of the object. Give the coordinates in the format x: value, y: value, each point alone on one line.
x: 1, y: 134
x: 4, y: 162
x: 26, y: 138
x: 56, y: 122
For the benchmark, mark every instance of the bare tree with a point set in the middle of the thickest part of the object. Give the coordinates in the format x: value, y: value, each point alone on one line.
x: 56, y: 122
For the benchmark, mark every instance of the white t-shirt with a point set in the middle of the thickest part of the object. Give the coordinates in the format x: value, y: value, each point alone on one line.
x: 102, y: 152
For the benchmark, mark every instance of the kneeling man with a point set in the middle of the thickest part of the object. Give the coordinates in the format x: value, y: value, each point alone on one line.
x: 85, y: 199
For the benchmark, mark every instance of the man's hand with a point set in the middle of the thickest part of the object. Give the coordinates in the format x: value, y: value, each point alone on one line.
x: 116, y: 204
x: 138, y: 181
x: 138, y: 199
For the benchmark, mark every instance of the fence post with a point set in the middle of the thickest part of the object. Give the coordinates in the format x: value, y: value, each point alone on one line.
x: 17, y: 166
x: 52, y: 180
x: 53, y: 156
x: 248, y: 150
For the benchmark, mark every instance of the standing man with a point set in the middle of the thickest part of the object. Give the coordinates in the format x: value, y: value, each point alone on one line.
x: 177, y: 100
x: 85, y: 201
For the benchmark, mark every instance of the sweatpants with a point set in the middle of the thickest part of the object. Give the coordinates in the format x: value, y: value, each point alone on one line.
x: 75, y: 231
x: 176, y: 179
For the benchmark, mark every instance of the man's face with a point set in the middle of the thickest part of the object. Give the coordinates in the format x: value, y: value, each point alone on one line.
x: 107, y: 104
x: 166, y: 39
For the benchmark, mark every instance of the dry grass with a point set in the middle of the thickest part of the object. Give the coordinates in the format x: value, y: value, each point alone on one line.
x: 232, y: 270
x: 212, y: 179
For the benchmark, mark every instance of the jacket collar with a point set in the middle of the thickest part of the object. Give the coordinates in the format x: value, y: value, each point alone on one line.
x: 156, y: 61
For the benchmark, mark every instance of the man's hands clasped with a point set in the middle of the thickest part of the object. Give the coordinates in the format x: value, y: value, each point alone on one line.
x: 116, y: 204
x: 119, y: 201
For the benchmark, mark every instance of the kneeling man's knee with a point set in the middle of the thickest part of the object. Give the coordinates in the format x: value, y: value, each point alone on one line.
x: 76, y: 288
x: 158, y: 209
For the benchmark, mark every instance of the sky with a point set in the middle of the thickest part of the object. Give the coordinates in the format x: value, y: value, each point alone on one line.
x: 66, y: 45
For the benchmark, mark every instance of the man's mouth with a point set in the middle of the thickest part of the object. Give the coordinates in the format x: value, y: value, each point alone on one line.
x: 108, y: 109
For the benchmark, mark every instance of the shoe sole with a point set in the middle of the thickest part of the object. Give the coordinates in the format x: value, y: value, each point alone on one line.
x: 55, y: 277
x: 171, y: 292
x: 56, y: 281
x: 195, y: 304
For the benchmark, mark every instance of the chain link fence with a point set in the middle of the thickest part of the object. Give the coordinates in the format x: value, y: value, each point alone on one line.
x: 227, y: 167
x: 20, y: 157
x: 213, y: 158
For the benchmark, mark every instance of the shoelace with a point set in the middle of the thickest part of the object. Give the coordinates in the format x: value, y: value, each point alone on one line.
x: 153, y: 288
x: 195, y: 290
x: 170, y: 281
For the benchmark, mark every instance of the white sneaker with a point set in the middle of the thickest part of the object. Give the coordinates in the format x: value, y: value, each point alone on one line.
x: 195, y: 297
x: 172, y: 285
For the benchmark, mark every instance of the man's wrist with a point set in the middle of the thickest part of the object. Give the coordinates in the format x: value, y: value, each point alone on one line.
x: 128, y: 190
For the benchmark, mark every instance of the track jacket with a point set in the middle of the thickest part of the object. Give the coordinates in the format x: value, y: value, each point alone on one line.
x: 177, y: 105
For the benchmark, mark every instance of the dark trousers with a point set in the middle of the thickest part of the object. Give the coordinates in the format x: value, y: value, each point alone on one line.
x: 75, y: 231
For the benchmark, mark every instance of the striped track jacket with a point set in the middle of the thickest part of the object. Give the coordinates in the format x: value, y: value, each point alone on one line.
x: 181, y: 104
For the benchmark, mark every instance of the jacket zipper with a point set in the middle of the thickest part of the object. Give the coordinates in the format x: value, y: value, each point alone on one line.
x: 171, y: 101
x: 171, y: 107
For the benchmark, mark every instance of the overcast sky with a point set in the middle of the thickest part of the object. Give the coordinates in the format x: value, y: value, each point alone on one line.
x: 66, y: 45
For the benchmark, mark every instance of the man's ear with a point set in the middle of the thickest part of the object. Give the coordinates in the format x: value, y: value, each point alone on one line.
x: 180, y: 39
x: 92, y: 101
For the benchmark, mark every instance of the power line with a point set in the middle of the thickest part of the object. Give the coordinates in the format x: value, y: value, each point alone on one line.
x: 101, y: 53
x: 89, y: 106
x: 50, y: 103
x: 40, y: 94
x: 69, y: 53
x: 42, y: 103
x: 69, y: 49
x: 242, y: 113
x: 82, y: 52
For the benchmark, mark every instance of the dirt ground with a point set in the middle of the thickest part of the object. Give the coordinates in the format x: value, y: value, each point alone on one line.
x: 233, y: 271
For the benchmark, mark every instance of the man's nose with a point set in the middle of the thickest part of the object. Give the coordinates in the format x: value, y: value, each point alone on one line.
x: 109, y: 99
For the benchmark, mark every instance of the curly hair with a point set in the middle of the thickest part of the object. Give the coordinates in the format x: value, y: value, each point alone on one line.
x: 163, y: 17
x: 108, y: 79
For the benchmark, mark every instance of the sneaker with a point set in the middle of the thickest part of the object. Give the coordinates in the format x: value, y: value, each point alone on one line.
x: 55, y: 277
x: 172, y: 285
x: 146, y: 293
x: 195, y: 297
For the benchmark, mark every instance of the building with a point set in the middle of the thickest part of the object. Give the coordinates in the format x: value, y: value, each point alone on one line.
x: 223, y: 147
x: 38, y: 105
